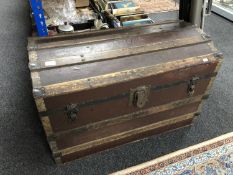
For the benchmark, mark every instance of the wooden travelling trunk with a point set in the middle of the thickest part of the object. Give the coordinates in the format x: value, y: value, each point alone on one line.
x: 100, y: 89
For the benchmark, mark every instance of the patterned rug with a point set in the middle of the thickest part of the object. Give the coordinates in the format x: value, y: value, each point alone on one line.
x: 213, y: 157
x: 155, y: 6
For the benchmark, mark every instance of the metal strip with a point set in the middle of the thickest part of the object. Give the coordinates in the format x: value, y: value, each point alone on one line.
x: 104, y: 100
x: 40, y: 104
x: 128, y: 117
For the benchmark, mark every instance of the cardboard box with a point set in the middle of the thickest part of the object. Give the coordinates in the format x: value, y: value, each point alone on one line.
x: 82, y: 3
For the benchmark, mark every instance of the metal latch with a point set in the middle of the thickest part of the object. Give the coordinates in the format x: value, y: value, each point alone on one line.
x: 139, y: 96
x: 192, y: 85
x: 72, y: 111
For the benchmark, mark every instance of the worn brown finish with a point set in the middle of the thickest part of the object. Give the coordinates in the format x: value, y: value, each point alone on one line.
x: 125, y: 134
x: 107, y: 45
x: 101, y: 89
x: 88, y: 114
x: 77, y: 138
x: 134, y: 63
x: 173, y: 76
x: 36, y: 43
x: 72, y: 156
x: 131, y: 116
x: 115, y: 54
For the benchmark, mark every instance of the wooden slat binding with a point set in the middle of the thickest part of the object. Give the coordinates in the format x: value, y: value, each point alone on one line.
x: 56, y: 154
x: 40, y: 104
x: 36, y: 43
x: 125, y: 134
x: 123, y: 76
x: 206, y: 93
x: 82, y: 104
x: 219, y: 55
x: 39, y: 65
x: 53, y: 146
x: 36, y: 89
x: 36, y: 83
x: 47, y: 126
x: 86, y: 41
x: 186, y: 124
x: 127, y: 117
x: 52, y: 143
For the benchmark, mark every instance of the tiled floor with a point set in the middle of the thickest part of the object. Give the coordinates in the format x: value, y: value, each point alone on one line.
x: 154, y: 6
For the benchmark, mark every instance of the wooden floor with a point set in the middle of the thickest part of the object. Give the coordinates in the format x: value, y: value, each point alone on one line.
x: 154, y: 6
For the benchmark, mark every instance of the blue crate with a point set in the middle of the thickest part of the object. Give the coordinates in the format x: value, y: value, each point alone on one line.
x: 38, y: 14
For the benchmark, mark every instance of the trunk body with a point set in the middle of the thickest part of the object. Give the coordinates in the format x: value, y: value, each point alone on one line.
x: 97, y: 90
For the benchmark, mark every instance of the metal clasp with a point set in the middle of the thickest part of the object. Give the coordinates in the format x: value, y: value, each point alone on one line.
x: 192, y: 85
x: 72, y: 111
x: 139, y: 96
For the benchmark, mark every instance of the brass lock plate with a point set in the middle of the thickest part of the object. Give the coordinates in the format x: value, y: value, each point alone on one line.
x: 139, y: 96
